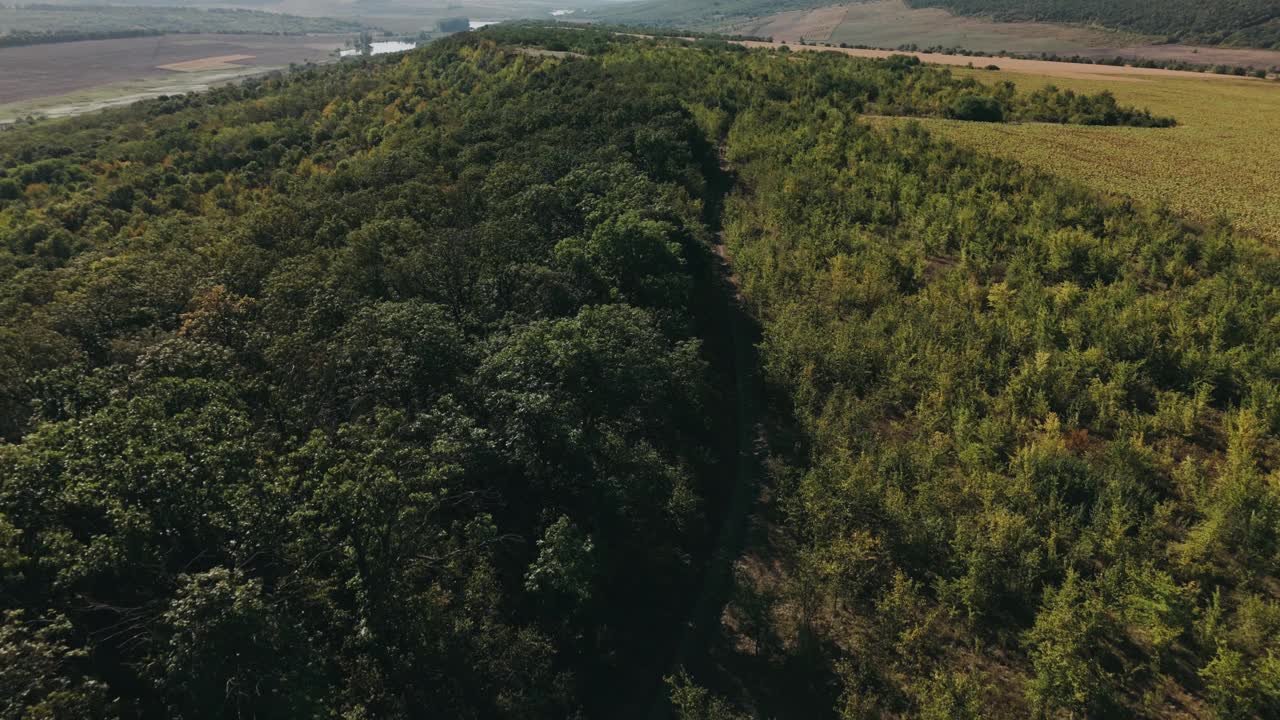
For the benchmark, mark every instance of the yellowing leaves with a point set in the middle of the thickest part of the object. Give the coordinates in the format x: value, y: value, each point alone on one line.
x: 1221, y: 160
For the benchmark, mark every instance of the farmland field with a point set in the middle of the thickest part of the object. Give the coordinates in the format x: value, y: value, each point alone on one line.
x: 816, y: 25
x: 1194, y: 54
x: 71, y: 22
x: 42, y: 77
x: 1219, y: 162
x: 890, y: 24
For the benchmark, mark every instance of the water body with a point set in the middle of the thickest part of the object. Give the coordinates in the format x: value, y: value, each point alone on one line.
x: 382, y: 48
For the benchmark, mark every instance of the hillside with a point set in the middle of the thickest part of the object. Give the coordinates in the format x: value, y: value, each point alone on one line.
x: 1247, y: 23
x: 412, y: 385
x: 43, y: 23
x: 1239, y: 23
x: 697, y: 13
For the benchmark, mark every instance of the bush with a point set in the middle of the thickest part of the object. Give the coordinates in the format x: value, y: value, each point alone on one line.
x: 976, y: 108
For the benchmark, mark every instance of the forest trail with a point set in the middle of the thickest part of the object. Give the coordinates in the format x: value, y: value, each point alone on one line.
x: 704, y: 620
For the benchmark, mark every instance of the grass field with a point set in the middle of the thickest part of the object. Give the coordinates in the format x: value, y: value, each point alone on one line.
x: 890, y: 23
x: 1223, y: 159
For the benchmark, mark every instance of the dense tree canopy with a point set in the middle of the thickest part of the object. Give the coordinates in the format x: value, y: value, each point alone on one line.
x: 352, y: 392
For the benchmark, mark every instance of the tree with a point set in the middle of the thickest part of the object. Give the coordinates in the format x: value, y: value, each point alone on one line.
x: 41, y: 674
x: 1068, y: 645
x: 227, y: 654
x: 564, y: 574
x: 692, y: 702
x: 976, y: 108
x: 453, y: 25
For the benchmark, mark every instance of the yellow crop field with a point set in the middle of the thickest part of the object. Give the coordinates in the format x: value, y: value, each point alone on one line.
x: 1223, y: 159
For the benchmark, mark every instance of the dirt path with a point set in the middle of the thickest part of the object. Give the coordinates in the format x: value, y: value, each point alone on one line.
x: 704, y: 620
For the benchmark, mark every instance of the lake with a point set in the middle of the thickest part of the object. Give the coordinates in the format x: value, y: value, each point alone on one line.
x: 382, y: 48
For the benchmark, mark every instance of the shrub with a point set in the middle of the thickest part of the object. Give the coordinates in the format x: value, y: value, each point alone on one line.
x: 977, y: 108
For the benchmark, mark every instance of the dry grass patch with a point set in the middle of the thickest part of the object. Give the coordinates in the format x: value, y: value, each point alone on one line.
x: 218, y: 62
x: 1220, y: 162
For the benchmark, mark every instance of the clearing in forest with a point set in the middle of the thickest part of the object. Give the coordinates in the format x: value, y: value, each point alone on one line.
x: 1219, y: 162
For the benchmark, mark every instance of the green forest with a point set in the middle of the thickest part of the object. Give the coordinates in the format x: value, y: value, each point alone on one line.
x: 44, y: 23
x: 1248, y: 23
x: 413, y: 386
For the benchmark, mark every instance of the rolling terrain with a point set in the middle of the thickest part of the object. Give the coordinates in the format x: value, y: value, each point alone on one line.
x: 1218, y: 164
x: 594, y: 375
x: 70, y: 78
x: 894, y: 23
x: 31, y: 24
x: 891, y: 23
x: 1247, y: 23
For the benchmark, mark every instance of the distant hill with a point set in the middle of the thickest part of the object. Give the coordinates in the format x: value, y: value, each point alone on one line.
x: 1252, y: 23
x: 1243, y: 23
x: 43, y: 23
x: 700, y: 13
